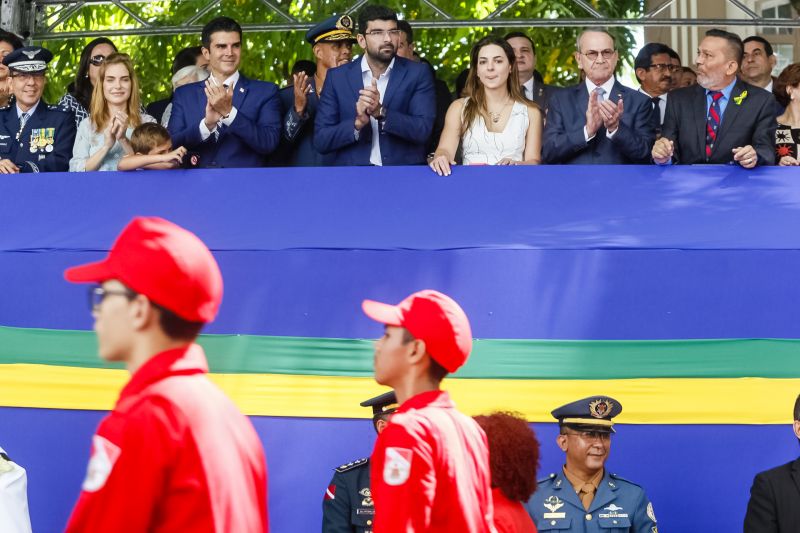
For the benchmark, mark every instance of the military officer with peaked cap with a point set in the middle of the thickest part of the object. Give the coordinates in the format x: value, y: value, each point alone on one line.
x: 584, y: 496
x: 34, y: 136
x: 347, y: 506
x: 332, y: 44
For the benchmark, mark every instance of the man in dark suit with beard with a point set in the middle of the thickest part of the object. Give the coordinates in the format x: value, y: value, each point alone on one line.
x: 599, y: 121
x: 774, y: 505
x: 721, y: 119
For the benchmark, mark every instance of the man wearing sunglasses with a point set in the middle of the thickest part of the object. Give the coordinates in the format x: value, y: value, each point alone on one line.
x: 175, y: 454
x: 34, y: 136
x: 584, y: 497
x: 599, y: 121
x: 654, y: 70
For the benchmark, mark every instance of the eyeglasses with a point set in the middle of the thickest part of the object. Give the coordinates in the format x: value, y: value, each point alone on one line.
x: 25, y: 76
x: 594, y: 54
x: 661, y: 67
x: 97, y: 60
x: 98, y: 294
x: 591, y: 435
x: 383, y: 33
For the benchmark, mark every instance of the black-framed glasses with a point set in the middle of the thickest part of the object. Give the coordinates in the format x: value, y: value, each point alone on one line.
x: 661, y: 67
x: 591, y: 435
x: 97, y: 60
x: 608, y: 53
x: 383, y: 33
x: 98, y: 294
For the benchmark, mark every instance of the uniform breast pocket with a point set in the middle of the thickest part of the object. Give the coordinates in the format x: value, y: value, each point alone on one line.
x: 554, y: 524
x: 5, y: 147
x: 362, y: 518
x: 620, y: 523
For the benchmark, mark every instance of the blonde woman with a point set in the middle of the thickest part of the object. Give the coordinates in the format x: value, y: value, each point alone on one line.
x: 103, y: 137
x: 495, y: 124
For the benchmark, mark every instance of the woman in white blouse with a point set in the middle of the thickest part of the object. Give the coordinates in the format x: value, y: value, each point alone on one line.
x: 495, y: 124
x: 103, y: 137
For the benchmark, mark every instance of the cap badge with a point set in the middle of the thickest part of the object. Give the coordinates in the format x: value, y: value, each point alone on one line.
x: 344, y: 22
x: 31, y: 53
x: 600, y: 408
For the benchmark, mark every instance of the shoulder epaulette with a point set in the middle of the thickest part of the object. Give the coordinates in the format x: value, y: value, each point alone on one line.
x: 620, y: 478
x: 545, y: 479
x: 354, y: 464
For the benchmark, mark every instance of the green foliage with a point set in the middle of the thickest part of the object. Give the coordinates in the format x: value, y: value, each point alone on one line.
x: 270, y: 55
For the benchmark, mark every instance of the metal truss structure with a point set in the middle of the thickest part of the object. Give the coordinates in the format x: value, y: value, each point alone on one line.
x: 42, y: 19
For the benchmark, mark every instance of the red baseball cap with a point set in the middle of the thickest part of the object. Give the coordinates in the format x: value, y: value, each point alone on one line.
x: 432, y: 317
x: 165, y: 262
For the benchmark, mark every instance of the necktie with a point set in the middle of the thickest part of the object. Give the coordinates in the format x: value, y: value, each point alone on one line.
x: 599, y: 91
x: 712, y: 122
x: 586, y: 494
x: 656, y: 102
x: 23, y: 119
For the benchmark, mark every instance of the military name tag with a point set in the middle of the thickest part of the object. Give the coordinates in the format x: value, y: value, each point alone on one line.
x: 365, y: 511
x: 555, y: 515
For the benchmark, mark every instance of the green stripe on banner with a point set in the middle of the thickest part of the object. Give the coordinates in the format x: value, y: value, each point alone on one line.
x: 491, y: 358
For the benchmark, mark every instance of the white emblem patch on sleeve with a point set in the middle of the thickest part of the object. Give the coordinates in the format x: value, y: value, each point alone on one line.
x: 104, y: 454
x: 651, y: 513
x: 397, y: 466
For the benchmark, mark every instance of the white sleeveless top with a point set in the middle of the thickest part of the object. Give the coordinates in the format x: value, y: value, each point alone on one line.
x: 483, y: 147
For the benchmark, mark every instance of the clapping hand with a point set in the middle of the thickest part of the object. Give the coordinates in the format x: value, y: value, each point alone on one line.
x: 219, y: 97
x: 302, y: 86
x: 611, y: 113
x: 593, y: 118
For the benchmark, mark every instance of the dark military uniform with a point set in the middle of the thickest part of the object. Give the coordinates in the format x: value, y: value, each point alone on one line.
x: 617, y: 506
x: 298, y: 130
x: 347, y: 506
x: 43, y: 141
x: 44, y: 144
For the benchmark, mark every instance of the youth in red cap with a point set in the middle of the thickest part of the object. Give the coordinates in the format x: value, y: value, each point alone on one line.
x: 430, y: 466
x: 150, y: 468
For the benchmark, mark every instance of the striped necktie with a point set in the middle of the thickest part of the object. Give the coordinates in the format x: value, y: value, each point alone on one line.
x: 712, y: 122
x: 23, y: 119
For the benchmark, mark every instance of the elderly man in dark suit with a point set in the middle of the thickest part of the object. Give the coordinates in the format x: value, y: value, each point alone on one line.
x: 378, y: 110
x: 721, y: 119
x: 228, y: 120
x: 598, y: 121
x: 774, y: 505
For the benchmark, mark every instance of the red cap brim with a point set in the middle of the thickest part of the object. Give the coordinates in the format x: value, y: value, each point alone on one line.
x: 383, y: 313
x: 88, y: 273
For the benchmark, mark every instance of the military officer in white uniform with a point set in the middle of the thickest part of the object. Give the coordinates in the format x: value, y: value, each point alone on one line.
x: 584, y: 497
x: 14, y: 517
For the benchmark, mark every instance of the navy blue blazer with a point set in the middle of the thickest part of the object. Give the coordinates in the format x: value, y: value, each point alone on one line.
x: 247, y: 142
x: 565, y: 143
x: 410, y: 103
x: 44, y: 144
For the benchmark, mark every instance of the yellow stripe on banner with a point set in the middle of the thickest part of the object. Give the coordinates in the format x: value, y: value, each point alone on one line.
x: 645, y: 401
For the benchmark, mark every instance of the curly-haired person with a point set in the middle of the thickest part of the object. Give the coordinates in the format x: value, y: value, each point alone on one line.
x: 514, y: 460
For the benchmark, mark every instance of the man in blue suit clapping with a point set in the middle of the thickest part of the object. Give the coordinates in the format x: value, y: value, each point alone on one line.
x: 598, y: 121
x: 227, y: 120
x: 378, y: 110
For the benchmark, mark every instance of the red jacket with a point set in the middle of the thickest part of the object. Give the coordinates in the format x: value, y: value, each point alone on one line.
x: 175, y: 455
x: 430, y: 470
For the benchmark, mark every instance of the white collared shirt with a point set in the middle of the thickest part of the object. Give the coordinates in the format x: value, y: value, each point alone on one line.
x: 662, y: 103
x: 30, y: 111
x: 768, y: 88
x: 231, y: 82
x: 607, y: 87
x: 383, y: 82
x: 528, y: 89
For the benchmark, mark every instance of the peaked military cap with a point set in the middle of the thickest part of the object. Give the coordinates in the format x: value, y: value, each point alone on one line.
x: 335, y: 28
x: 594, y: 413
x: 30, y: 59
x: 384, y: 404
